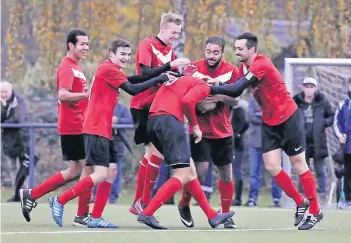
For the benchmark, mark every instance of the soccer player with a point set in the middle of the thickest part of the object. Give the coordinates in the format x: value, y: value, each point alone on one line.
x: 216, y: 128
x: 154, y: 56
x: 97, y: 130
x: 72, y: 103
x: 166, y: 131
x: 282, y: 129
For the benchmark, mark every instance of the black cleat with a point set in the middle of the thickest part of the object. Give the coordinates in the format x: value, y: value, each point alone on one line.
x: 27, y: 203
x: 220, y: 218
x: 229, y: 224
x: 150, y: 221
x: 81, y: 220
x: 300, y: 212
x: 311, y: 221
x: 185, y: 216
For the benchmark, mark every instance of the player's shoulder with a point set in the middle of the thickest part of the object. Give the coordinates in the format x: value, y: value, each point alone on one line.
x: 263, y: 60
x: 68, y: 63
x: 199, y: 63
x: 227, y: 66
x: 147, y: 41
x: 108, y: 67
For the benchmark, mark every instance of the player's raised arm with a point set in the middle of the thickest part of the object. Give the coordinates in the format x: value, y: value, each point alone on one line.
x: 236, y: 89
x: 134, y: 89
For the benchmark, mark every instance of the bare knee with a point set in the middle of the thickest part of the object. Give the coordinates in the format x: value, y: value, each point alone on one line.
x: 150, y: 150
x: 298, y: 163
x: 112, y: 172
x: 100, y: 174
x: 272, y: 162
x: 72, y: 172
x: 225, y: 173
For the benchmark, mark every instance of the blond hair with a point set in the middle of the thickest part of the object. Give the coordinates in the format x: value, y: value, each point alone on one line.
x: 171, y: 18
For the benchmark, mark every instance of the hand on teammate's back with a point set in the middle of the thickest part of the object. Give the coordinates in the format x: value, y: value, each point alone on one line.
x: 342, y: 138
x: 179, y: 62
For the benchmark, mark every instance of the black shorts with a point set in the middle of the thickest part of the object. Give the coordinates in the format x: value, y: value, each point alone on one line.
x: 167, y: 134
x: 289, y: 136
x: 72, y: 147
x: 220, y: 151
x: 140, y: 118
x: 99, y: 150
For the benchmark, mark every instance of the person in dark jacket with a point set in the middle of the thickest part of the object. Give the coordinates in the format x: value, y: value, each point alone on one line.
x: 342, y: 129
x: 15, y: 140
x: 240, y: 125
x: 318, y: 115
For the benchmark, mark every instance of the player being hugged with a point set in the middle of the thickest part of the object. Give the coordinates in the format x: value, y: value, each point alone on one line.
x: 217, y: 132
x: 97, y: 131
x: 282, y: 129
x: 154, y: 56
x: 166, y: 131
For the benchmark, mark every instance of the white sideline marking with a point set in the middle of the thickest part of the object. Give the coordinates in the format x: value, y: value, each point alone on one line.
x: 156, y: 231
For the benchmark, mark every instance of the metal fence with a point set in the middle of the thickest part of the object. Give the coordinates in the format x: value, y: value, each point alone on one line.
x: 31, y: 127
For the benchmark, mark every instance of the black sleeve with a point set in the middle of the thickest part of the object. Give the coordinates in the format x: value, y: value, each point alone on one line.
x: 235, y: 89
x: 135, y: 79
x: 154, y: 71
x: 134, y: 89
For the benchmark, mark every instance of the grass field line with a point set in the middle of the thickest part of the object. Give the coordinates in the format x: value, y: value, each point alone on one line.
x: 93, y: 231
x: 173, y: 207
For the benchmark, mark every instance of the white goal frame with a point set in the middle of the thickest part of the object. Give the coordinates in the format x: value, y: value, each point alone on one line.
x: 289, y: 80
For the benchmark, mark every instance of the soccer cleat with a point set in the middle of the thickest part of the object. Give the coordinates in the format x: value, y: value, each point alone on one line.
x: 150, y: 221
x: 100, y: 223
x: 300, y: 212
x: 56, y: 210
x: 136, y: 207
x: 27, y: 203
x: 81, y: 220
x: 311, y: 221
x: 185, y: 216
x: 220, y: 218
x: 229, y: 224
x: 251, y: 203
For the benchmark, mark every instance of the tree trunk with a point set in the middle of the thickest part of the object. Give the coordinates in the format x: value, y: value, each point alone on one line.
x: 181, y: 9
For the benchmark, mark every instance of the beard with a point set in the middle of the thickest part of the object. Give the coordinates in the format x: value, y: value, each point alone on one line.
x: 214, y: 66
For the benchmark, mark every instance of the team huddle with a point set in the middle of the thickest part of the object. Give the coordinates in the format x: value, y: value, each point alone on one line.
x: 166, y: 91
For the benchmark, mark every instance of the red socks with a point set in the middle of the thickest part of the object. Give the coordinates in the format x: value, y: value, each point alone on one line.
x: 163, y: 195
x: 226, y: 190
x: 309, y: 187
x: 49, y: 185
x: 101, y: 198
x: 84, y: 203
x: 195, y: 189
x: 140, y: 179
x: 285, y: 183
x: 81, y: 187
x: 186, y: 197
x: 151, y: 174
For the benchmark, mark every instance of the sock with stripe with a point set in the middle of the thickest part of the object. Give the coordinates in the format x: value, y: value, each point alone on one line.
x: 226, y: 190
x: 151, y: 174
x: 82, y: 186
x: 140, y: 180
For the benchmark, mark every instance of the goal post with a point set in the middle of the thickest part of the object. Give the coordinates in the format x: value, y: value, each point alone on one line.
x: 333, y: 74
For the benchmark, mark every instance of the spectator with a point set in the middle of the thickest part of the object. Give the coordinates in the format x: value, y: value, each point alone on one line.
x: 318, y: 115
x: 342, y: 128
x: 121, y: 116
x: 254, y: 115
x: 15, y: 140
x: 240, y: 125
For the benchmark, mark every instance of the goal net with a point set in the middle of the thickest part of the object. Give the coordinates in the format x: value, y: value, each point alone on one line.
x: 332, y: 76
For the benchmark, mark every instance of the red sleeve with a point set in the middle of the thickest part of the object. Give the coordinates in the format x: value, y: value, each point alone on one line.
x: 192, y: 97
x: 235, y: 75
x: 115, y: 78
x: 259, y: 68
x: 65, y: 77
x: 145, y: 54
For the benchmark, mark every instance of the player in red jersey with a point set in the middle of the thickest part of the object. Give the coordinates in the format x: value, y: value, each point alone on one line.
x: 166, y: 131
x: 217, y: 132
x: 72, y: 102
x: 97, y: 131
x: 154, y: 56
x: 282, y: 129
